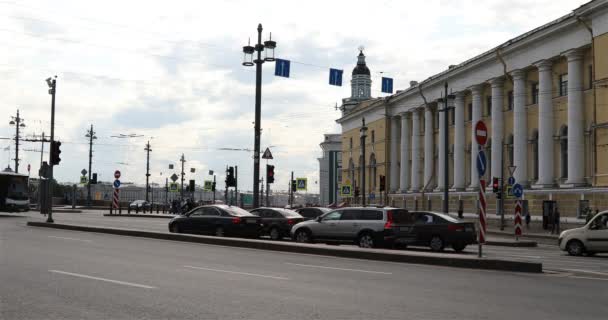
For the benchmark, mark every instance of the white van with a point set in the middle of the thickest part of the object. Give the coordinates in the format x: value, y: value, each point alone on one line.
x: 590, y: 239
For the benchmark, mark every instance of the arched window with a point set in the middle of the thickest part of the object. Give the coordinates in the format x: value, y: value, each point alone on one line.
x: 510, y: 150
x: 372, y: 172
x: 563, y: 142
x: 534, y: 142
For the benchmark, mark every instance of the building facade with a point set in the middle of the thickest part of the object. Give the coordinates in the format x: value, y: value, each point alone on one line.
x: 330, y: 169
x: 544, y: 98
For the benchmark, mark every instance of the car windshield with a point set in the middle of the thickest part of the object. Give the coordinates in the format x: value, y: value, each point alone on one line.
x: 289, y: 213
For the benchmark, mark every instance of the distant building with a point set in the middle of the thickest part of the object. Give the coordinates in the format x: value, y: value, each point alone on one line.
x: 330, y: 169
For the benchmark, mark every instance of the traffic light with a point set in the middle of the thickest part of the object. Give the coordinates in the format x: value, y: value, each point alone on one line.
x: 191, y: 187
x: 94, y: 178
x: 293, y: 186
x: 230, y: 179
x: 55, y: 151
x: 382, y: 183
x: 269, y: 173
x: 356, y: 191
x: 495, y: 186
x: 213, y: 186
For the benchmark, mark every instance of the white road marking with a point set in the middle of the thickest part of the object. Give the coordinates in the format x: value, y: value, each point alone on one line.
x: 334, y: 268
x: 589, y: 278
x: 588, y: 271
x: 124, y: 283
x: 236, y: 272
x: 66, y: 238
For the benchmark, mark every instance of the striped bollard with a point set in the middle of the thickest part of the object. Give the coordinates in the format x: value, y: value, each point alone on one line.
x: 517, y: 219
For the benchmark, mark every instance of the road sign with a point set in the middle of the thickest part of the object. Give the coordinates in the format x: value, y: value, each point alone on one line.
x: 116, y: 198
x: 346, y: 190
x: 512, y: 170
x: 301, y: 184
x: 117, y: 174
x: 518, y: 190
x: 29, y: 167
x: 267, y: 154
x: 208, y: 185
x: 173, y: 187
x: 372, y: 196
x: 482, y: 163
x: 335, y: 77
x: 83, y: 172
x: 510, y: 192
x: 482, y: 212
x: 116, y: 184
x: 174, y: 177
x: 481, y: 133
x: 83, y: 180
x: 511, y: 181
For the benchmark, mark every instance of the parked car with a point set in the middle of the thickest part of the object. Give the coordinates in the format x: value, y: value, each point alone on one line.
x: 277, y: 222
x: 312, y: 212
x: 217, y: 220
x: 139, y: 205
x: 589, y: 239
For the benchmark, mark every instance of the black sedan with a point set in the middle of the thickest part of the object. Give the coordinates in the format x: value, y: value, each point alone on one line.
x: 217, y: 220
x: 277, y: 222
x: 432, y: 229
x: 310, y: 213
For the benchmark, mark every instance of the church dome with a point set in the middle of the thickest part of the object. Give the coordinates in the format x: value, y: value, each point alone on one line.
x: 361, y: 68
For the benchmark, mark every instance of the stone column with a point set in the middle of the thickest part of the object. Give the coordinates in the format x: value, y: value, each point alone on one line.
x: 404, y: 174
x: 459, y: 139
x: 545, y: 124
x: 520, y: 127
x: 576, y: 119
x: 428, y: 146
x: 394, y: 152
x: 497, y: 125
x: 415, y: 150
x: 442, y: 156
x: 476, y: 92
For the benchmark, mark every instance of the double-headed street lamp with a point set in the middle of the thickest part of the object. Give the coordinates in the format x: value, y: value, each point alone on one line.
x: 446, y: 167
x: 52, y: 83
x: 18, y: 123
x: 363, y: 135
x: 248, y: 61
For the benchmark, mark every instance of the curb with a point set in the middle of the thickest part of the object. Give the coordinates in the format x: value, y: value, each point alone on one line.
x: 152, y: 215
x: 529, y: 235
x: 517, y: 244
x: 371, y: 254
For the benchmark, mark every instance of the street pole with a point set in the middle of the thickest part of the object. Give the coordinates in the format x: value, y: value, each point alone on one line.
x: 226, y: 192
x: 147, y: 149
x: 181, y: 192
x: 42, y: 150
x: 214, y: 189
x: 166, y: 191
x: 91, y: 135
x: 291, y: 191
x: 267, y: 186
x: 501, y: 202
x: 446, y: 167
x: 53, y: 90
x: 18, y: 122
x: 363, y: 134
x: 236, y: 185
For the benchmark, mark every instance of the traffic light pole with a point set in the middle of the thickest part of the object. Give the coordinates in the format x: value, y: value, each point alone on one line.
x: 182, y: 159
x: 236, y: 185
x: 147, y: 149
x: 53, y: 91
x: 213, y: 189
x: 91, y: 134
x: 267, y: 186
x: 291, y: 191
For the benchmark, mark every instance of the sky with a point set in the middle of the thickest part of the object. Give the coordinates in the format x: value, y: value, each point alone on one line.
x: 170, y: 72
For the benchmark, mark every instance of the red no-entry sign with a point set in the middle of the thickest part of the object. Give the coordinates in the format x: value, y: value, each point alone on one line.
x: 481, y: 133
x: 116, y: 174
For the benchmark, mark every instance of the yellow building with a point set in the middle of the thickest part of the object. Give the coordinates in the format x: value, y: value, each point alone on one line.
x: 544, y: 98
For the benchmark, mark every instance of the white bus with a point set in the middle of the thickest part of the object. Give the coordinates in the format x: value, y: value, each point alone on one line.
x: 14, y: 192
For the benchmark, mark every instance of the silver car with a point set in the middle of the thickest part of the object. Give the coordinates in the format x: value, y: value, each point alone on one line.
x: 364, y: 226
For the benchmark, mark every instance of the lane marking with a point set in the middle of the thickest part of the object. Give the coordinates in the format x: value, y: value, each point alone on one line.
x: 124, y: 283
x: 334, y: 268
x: 589, y: 278
x: 236, y: 272
x: 66, y: 238
x: 588, y: 271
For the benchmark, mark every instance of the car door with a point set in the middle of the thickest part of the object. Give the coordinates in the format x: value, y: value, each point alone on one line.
x: 195, y: 221
x: 424, y: 227
x: 597, y: 234
x: 346, y: 226
x: 327, y: 226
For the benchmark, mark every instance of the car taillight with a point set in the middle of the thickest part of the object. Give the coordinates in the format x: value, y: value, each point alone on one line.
x: 389, y: 220
x: 236, y: 220
x: 455, y: 227
x: 290, y: 222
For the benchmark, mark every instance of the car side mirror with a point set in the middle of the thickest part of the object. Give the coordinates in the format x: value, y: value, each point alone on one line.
x: 319, y: 218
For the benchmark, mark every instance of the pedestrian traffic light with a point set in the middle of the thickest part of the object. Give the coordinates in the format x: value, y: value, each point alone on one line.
x: 382, y: 183
x: 191, y: 187
x: 269, y: 173
x: 55, y: 151
x: 495, y: 186
x: 94, y: 179
x: 230, y: 179
x: 293, y: 186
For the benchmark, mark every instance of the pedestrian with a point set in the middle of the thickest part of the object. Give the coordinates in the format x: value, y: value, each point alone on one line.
x: 528, y: 218
x: 590, y: 214
x: 556, y: 218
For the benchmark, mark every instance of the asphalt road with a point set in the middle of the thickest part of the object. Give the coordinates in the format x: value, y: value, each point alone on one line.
x: 59, y: 274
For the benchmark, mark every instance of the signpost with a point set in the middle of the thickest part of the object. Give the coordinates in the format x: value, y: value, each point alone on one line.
x: 481, y: 136
x: 518, y: 192
x: 116, y: 185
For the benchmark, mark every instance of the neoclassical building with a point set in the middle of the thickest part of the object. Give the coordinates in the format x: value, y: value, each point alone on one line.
x: 544, y: 98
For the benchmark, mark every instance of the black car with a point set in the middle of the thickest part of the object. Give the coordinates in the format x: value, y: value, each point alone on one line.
x: 312, y: 212
x: 277, y: 222
x: 217, y: 220
x: 436, y: 230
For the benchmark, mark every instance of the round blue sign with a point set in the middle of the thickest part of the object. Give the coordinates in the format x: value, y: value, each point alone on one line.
x: 517, y: 190
x: 116, y: 183
x: 482, y: 163
x: 511, y: 181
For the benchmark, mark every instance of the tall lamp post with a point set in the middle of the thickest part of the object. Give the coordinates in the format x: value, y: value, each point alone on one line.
x: 446, y: 167
x: 363, y: 135
x: 248, y: 61
x: 91, y: 135
x: 18, y: 123
x: 52, y: 83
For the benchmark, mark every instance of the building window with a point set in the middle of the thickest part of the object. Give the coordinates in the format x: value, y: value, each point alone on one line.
x: 535, y: 93
x: 452, y: 116
x: 563, y: 139
x: 510, y: 100
x: 590, y: 77
x: 563, y: 84
x: 470, y: 112
x: 351, y: 143
x: 373, y: 136
x: 489, y: 106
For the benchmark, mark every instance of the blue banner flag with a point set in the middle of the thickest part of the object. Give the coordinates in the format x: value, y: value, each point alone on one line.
x: 281, y: 68
x: 335, y: 77
x: 387, y: 85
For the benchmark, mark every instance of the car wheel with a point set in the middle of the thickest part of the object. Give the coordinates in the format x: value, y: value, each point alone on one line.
x: 219, y: 231
x: 275, y: 234
x: 366, y: 240
x: 175, y: 228
x: 303, y: 236
x: 575, y: 248
x: 458, y: 247
x: 436, y: 243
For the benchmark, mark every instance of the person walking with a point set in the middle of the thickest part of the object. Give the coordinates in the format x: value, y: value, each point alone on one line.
x: 556, y: 218
x: 528, y: 218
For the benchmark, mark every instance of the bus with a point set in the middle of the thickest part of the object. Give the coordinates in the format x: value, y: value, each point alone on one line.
x: 14, y: 196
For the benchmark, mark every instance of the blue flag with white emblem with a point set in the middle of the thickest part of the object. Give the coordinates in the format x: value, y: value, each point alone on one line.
x: 387, y: 85
x: 281, y: 68
x: 335, y: 77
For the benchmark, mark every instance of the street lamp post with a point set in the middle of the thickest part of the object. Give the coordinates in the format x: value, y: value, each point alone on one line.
x: 248, y: 61
x: 147, y: 149
x: 446, y: 167
x: 52, y: 83
x: 18, y: 123
x: 91, y: 135
x: 363, y: 135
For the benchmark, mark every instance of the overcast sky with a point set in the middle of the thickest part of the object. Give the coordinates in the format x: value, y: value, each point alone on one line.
x: 171, y: 71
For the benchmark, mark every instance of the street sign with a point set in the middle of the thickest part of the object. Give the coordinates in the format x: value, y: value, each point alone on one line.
x: 517, y: 219
x: 174, y: 177
x: 481, y: 133
x: 29, y: 168
x: 207, y: 186
x: 173, y: 187
x: 518, y: 190
x: 301, y: 184
x: 510, y: 192
x: 83, y: 180
x: 511, y: 181
x: 267, y: 154
x: 83, y: 172
x: 210, y: 172
x: 482, y: 163
x: 192, y: 170
x: 346, y: 190
x: 372, y: 196
x: 512, y: 170
x: 335, y: 77
x: 117, y: 174
x: 116, y: 184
